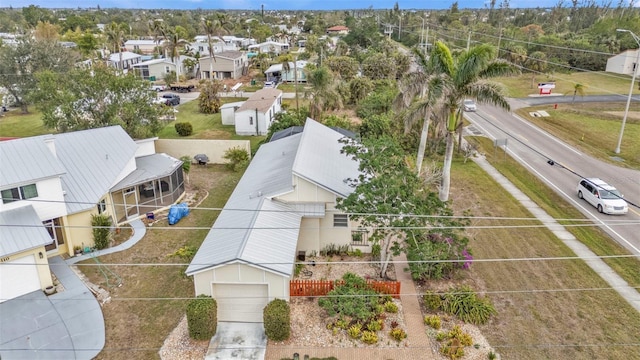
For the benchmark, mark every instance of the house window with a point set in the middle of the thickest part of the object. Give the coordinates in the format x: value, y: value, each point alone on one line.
x: 340, y: 220
x: 250, y: 120
x: 136, y: 47
x: 166, y: 69
x: 129, y: 191
x: 102, y: 206
x: 19, y: 193
x: 200, y: 48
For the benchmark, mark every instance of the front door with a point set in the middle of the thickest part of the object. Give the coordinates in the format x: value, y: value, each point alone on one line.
x: 55, y: 231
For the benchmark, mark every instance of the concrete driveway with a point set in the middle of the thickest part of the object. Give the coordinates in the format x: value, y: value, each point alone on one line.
x: 245, y: 341
x: 66, y: 325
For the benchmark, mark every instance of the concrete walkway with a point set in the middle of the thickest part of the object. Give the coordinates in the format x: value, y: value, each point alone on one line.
x: 139, y: 230
x: 630, y: 294
x: 418, y: 343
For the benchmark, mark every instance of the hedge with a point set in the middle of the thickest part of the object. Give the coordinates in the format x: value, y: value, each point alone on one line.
x: 184, y: 128
x: 202, y: 317
x: 277, y: 320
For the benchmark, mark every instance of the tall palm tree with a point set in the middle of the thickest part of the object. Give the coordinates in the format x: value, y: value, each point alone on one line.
x: 173, y: 45
x: 214, y: 27
x: 115, y: 39
x: 578, y: 89
x: 465, y: 77
x: 159, y: 32
x: 419, y: 93
x: 287, y: 60
x: 322, y: 92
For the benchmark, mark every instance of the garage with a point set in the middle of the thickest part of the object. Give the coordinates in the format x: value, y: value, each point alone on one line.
x: 18, y: 277
x: 240, y: 302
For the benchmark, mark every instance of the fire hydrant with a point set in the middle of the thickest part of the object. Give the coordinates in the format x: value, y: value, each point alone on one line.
x: 555, y: 106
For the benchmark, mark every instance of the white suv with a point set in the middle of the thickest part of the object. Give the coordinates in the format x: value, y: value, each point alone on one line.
x: 602, y: 196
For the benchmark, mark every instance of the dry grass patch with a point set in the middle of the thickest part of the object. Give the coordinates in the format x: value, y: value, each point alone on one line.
x: 539, y: 316
x: 150, y: 302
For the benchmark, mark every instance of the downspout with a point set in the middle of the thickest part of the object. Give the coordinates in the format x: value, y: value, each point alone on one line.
x: 257, y: 131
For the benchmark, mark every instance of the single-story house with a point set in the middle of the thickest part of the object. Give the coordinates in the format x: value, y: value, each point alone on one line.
x: 338, y: 30
x: 282, y: 207
x: 227, y: 65
x: 228, y: 112
x: 156, y: 69
x: 624, y: 63
x: 238, y: 41
x: 269, y: 47
x: 55, y: 183
x: 255, y: 116
x: 275, y: 72
x: 124, y: 60
x: 144, y: 46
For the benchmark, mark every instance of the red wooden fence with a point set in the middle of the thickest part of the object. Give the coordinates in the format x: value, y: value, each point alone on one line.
x: 322, y: 287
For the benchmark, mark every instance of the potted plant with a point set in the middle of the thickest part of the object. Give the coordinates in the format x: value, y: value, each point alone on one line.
x: 77, y: 250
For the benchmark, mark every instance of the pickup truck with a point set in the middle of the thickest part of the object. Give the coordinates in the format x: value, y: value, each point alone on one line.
x: 158, y: 88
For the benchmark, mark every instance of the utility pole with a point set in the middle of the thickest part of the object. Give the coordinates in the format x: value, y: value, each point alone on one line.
x: 426, y: 41
x: 400, y: 28
x: 468, y: 40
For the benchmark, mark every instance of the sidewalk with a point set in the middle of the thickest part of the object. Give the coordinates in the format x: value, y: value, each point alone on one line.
x: 628, y: 293
x: 139, y: 229
x: 419, y: 346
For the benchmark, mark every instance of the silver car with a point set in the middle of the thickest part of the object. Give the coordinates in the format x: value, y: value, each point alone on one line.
x: 469, y: 105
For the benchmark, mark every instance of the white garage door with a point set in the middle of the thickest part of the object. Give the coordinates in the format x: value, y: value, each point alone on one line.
x: 18, y: 277
x: 240, y: 302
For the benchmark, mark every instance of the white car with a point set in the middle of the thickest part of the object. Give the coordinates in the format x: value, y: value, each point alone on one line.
x: 602, y: 196
x: 158, y: 88
x: 269, y: 84
x: 469, y: 105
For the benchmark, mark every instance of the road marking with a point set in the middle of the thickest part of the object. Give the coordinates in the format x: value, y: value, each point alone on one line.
x: 546, y: 134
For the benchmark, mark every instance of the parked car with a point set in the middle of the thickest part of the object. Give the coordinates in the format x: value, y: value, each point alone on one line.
x: 469, y: 105
x: 269, y: 84
x: 171, y: 99
x: 602, y: 196
x: 158, y: 88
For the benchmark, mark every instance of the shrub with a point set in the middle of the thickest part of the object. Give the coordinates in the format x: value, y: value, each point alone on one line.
x: 352, y: 298
x: 355, y: 331
x: 465, y: 304
x: 369, y: 337
x: 398, y: 334
x: 101, y: 224
x: 394, y: 324
x: 375, y: 325
x: 441, y: 335
x: 202, y: 317
x: 433, y: 321
x: 457, y: 340
x: 342, y: 324
x: 432, y: 300
x: 186, y: 252
x: 184, y: 128
x: 390, y: 307
x: 277, y: 320
x: 237, y: 157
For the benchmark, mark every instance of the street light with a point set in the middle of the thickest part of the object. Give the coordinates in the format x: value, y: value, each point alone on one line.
x: 633, y: 78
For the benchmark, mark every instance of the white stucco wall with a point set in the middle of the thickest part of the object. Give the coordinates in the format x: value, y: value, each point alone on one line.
x: 214, y: 149
x: 50, y: 199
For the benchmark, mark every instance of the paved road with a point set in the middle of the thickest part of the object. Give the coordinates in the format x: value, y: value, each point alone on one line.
x: 560, y: 99
x: 498, y: 124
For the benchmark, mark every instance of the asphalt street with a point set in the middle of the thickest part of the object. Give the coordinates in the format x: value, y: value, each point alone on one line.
x: 533, y: 147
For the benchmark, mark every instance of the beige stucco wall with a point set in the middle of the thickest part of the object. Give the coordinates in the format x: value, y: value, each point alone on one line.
x: 42, y: 264
x: 305, y: 191
x: 241, y: 273
x: 214, y: 149
x: 79, y: 230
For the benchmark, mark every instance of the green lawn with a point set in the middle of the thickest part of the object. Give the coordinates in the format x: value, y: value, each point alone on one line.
x: 593, y: 128
x: 597, y: 83
x: 16, y: 124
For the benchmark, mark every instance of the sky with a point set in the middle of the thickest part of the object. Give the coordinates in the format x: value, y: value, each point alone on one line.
x: 277, y: 4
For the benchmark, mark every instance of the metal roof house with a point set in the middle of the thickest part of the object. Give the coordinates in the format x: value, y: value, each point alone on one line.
x: 57, y: 182
x: 283, y: 206
x: 255, y: 115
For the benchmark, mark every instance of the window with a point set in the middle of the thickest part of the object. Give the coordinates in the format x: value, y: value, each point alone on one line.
x: 102, y: 206
x: 19, y: 193
x: 340, y: 220
x: 200, y: 48
x: 250, y: 120
x: 167, y: 70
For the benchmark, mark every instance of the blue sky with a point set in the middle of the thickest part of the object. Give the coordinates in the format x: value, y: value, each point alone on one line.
x: 274, y: 4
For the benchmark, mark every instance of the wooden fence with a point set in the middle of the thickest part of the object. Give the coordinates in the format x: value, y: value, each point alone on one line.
x: 322, y: 287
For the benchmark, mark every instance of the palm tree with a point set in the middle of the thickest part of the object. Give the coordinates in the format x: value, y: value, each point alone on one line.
x: 286, y: 60
x: 419, y: 94
x: 578, y: 89
x: 115, y: 38
x: 214, y: 27
x: 173, y: 45
x: 158, y: 31
x: 465, y: 77
x: 322, y: 92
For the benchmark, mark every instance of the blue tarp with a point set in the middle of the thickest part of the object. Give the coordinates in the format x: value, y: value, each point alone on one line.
x: 177, y: 212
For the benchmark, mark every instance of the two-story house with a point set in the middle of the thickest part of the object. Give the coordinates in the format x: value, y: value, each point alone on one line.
x: 227, y: 65
x: 282, y: 207
x: 255, y: 116
x: 146, y: 47
x: 51, y: 185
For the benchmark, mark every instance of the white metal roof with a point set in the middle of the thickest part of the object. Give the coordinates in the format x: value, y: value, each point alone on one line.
x: 126, y: 55
x: 253, y: 227
x: 21, y: 229
x: 300, y: 64
x: 27, y: 160
x: 93, y: 159
x: 148, y: 168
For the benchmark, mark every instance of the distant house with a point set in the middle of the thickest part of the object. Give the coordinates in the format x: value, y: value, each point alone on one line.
x: 338, y: 30
x: 143, y: 46
x: 202, y: 47
x: 227, y: 65
x: 124, y: 60
x: 51, y: 185
x: 276, y: 73
x: 255, y: 116
x: 270, y: 47
x: 282, y: 207
x: 156, y: 69
x: 624, y: 63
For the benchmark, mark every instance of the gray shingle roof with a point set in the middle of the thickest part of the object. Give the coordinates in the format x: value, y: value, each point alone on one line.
x: 27, y: 160
x: 26, y: 231
x: 262, y: 100
x: 254, y: 228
